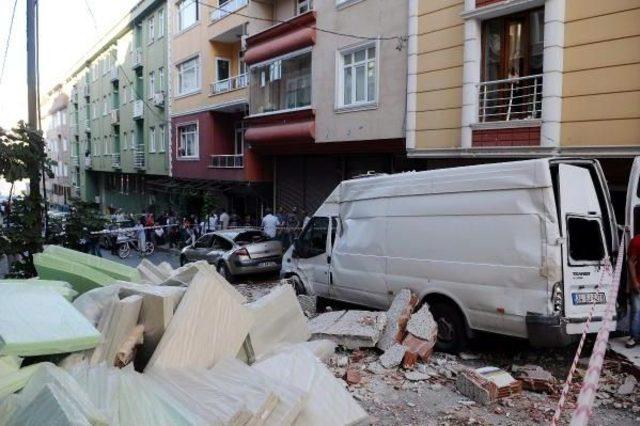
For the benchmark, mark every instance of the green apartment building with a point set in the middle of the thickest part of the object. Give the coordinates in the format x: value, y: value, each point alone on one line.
x: 119, y: 114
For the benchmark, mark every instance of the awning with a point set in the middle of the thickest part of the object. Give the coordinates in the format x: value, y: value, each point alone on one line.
x: 304, y: 131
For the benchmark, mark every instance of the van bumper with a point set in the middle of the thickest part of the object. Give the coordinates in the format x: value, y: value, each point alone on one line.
x: 548, y: 330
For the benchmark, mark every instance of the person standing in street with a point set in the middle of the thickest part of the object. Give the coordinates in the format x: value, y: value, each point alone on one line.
x: 224, y: 219
x: 212, y: 222
x: 142, y: 236
x: 270, y: 224
x: 633, y: 287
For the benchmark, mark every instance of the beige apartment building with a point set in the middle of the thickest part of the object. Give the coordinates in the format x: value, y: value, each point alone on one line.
x: 500, y: 79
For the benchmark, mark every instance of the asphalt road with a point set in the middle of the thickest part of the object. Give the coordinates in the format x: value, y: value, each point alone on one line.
x: 134, y: 258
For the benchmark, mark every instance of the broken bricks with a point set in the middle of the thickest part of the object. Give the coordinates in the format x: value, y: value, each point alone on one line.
x: 487, y: 384
x: 421, y: 337
x: 397, y: 318
x: 351, y: 329
x: 535, y: 378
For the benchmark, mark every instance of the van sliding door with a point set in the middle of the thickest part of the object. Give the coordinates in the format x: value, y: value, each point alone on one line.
x: 584, y: 251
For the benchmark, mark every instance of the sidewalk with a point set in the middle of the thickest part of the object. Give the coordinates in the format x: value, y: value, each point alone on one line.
x: 632, y: 354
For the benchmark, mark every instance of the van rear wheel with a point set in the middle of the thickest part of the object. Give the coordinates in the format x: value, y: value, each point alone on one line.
x: 452, y: 330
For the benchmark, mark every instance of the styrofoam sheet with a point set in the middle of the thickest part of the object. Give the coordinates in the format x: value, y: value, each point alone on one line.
x: 328, y: 402
x: 116, y: 270
x: 9, y: 364
x: 35, y: 321
x: 51, y: 406
x: 81, y: 277
x: 208, y: 325
x: 61, y: 287
x: 16, y: 380
x: 115, y: 325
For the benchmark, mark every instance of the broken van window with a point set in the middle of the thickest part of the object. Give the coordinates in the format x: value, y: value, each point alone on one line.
x: 585, y: 240
x: 314, y: 239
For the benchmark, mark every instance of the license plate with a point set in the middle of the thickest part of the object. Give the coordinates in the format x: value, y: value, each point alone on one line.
x: 267, y: 264
x: 589, y: 298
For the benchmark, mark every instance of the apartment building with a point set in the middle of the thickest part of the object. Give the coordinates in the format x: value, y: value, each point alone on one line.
x: 55, y: 128
x: 492, y: 80
x: 118, y: 113
x: 269, y: 109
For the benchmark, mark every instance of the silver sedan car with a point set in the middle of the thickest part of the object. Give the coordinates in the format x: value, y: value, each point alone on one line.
x: 235, y: 252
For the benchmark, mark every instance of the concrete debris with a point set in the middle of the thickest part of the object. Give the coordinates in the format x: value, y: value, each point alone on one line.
x: 416, y: 376
x: 308, y: 304
x: 535, y: 378
x: 627, y: 387
x: 487, y: 384
x: 397, y: 318
x: 393, y: 356
x: 350, y: 329
x: 416, y: 350
x: 422, y: 325
x: 466, y: 356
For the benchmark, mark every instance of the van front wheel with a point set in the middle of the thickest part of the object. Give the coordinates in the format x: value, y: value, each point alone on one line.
x: 452, y: 331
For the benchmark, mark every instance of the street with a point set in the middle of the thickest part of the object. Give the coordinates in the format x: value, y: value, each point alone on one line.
x: 159, y: 256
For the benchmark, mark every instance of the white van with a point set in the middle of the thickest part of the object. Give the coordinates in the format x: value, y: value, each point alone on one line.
x: 513, y: 248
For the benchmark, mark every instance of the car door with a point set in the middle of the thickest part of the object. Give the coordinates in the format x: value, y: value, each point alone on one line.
x: 312, y: 256
x: 219, y: 247
x: 584, y: 250
x: 201, y: 248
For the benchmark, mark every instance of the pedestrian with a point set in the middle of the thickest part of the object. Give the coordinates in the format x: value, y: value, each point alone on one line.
x: 224, y: 219
x: 212, y: 222
x: 142, y: 236
x: 270, y: 224
x: 633, y: 288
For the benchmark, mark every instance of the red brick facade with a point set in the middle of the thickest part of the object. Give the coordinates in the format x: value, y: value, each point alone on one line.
x: 519, y: 136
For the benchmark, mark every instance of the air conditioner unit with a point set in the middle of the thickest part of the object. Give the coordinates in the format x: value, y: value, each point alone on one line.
x: 158, y: 99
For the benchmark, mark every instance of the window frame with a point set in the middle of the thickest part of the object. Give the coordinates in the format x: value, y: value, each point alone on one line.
x: 179, y: 133
x: 161, y: 23
x: 198, y: 78
x: 577, y: 262
x: 152, y: 84
x: 151, y: 29
x: 222, y: 59
x: 340, y: 105
x: 300, y: 4
x: 179, y: 26
x: 152, y: 140
x: 162, y: 138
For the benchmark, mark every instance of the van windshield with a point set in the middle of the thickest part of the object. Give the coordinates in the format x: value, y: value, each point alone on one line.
x: 585, y: 241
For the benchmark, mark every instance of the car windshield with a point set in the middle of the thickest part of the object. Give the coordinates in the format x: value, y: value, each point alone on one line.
x: 250, y: 237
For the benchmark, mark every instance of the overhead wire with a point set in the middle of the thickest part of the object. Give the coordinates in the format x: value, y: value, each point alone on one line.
x: 6, y: 47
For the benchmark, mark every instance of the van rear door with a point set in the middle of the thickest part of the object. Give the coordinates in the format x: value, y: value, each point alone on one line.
x: 584, y: 250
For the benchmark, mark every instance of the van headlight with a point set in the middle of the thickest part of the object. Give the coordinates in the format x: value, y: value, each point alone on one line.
x: 557, y: 298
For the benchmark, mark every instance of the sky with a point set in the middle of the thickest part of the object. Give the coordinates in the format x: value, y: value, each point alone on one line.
x: 67, y: 33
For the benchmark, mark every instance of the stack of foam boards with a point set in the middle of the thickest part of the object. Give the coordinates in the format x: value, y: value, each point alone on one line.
x: 38, y: 321
x: 113, y: 269
x: 152, y: 274
x: 208, y: 325
x: 81, y: 277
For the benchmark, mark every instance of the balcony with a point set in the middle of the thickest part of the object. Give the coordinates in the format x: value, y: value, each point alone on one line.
x: 136, y: 58
x: 158, y: 99
x: 510, y: 99
x: 75, y: 160
x: 115, y: 117
x: 138, y: 109
x: 227, y: 161
x: 115, y: 75
x: 139, y: 160
x: 115, y: 161
x: 233, y: 83
x: 86, y: 91
x: 226, y: 9
x: 88, y: 162
x: 87, y: 126
x: 74, y: 96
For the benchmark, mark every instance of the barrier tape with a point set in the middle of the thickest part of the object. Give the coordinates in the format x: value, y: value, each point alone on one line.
x: 590, y: 382
x: 606, y: 270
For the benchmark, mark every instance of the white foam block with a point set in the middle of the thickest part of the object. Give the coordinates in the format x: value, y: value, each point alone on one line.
x: 328, y: 402
x: 208, y: 325
x: 116, y: 325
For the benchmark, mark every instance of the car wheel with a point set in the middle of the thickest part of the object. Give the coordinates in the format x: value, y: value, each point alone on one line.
x: 452, y: 330
x: 297, y: 285
x: 123, y: 251
x: 223, y: 270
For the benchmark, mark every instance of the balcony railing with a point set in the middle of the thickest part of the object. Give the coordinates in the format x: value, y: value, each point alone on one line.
x: 138, y: 109
x: 237, y: 82
x: 87, y: 125
x: 227, y: 161
x: 510, y: 99
x: 75, y: 160
x: 226, y: 9
x: 139, y: 160
x: 115, y: 76
x: 88, y: 161
x: 115, y: 161
x: 74, y: 96
x: 115, y: 117
x: 86, y: 91
x: 136, y: 58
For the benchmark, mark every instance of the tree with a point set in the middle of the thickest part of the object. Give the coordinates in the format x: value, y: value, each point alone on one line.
x: 84, y: 218
x: 22, y: 156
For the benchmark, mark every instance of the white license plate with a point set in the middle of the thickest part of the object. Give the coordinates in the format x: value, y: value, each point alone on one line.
x: 589, y: 298
x: 267, y: 264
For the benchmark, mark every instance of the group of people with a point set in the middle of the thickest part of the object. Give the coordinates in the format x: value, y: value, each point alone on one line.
x: 284, y: 225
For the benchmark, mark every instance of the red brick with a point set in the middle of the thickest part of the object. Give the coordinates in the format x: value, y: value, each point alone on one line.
x: 416, y: 349
x: 352, y: 376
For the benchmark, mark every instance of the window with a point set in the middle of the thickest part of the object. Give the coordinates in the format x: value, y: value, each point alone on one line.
x: 222, y: 69
x: 152, y: 84
x: 303, y: 6
x: 65, y: 170
x: 133, y: 92
x: 94, y: 108
x: 187, y: 14
x: 124, y: 94
x: 204, y: 242
x: 161, y: 138
x: 107, y: 143
x: 238, y: 146
x: 64, y: 145
x: 242, y: 65
x: 133, y: 140
x: 189, y: 76
x: 357, y: 80
x: 188, y: 141
x: 313, y: 241
x: 152, y: 139
x: 151, y: 29
x: 280, y: 85
x: 586, y: 245
x: 124, y: 137
x: 161, y: 79
x: 220, y: 243
x: 160, y: 23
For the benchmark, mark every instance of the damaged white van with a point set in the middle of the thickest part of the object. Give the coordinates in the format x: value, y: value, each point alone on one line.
x: 514, y: 248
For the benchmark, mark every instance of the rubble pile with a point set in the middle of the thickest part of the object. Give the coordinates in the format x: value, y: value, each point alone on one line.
x: 154, y: 345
